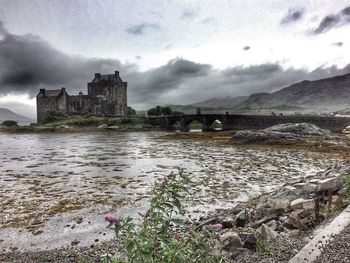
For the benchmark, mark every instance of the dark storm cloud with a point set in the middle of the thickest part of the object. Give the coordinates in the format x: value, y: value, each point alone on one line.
x: 333, y: 20
x: 292, y: 16
x: 142, y: 29
x: 28, y: 63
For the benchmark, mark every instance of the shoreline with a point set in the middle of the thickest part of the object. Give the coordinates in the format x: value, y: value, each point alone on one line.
x: 74, y: 253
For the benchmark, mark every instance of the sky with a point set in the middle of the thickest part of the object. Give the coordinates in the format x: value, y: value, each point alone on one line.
x: 169, y: 51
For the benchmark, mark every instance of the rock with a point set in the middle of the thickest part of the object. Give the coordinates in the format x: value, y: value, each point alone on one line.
x: 263, y: 136
x: 302, y: 218
x: 289, y: 187
x: 301, y: 203
x: 207, y: 222
x: 303, y: 129
x: 285, y: 132
x: 228, y: 222
x: 63, y: 127
x: 277, y: 205
x: 147, y: 126
x: 113, y: 127
x: 314, y: 181
x: 272, y: 224
x: 102, y: 126
x: 214, y: 247
x: 241, y: 219
x: 231, y: 241
x: 266, y: 233
x: 335, y: 199
x: 329, y: 185
x: 249, y: 240
x: 299, y: 185
x: 264, y: 220
x: 236, y: 210
x: 239, y: 254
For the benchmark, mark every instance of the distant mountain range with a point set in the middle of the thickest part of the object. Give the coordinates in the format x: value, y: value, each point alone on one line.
x: 329, y: 94
x: 6, y: 114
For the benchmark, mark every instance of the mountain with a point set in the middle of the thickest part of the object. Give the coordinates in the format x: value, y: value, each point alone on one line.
x: 324, y: 94
x: 6, y: 114
x: 227, y: 102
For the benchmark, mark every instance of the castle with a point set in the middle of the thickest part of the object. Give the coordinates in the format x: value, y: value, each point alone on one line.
x: 107, y: 95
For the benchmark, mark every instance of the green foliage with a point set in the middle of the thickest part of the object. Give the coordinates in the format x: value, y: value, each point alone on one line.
x: 94, y: 121
x: 346, y: 185
x: 152, y: 240
x: 334, y: 209
x: 131, y: 111
x: 10, y: 124
x: 159, y: 111
x: 263, y: 246
x: 51, y: 116
x: 126, y: 121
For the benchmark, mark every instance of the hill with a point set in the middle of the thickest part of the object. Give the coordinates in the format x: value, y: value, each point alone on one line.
x: 324, y: 94
x: 6, y: 114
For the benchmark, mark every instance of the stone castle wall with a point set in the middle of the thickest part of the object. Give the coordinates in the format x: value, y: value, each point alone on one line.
x: 107, y: 95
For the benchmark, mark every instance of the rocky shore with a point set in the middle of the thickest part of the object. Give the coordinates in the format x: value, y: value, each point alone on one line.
x: 271, y: 228
x: 274, y: 227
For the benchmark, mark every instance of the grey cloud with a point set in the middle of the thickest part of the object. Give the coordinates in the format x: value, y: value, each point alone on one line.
x: 29, y: 63
x: 209, y: 21
x: 338, y: 44
x: 333, y: 20
x: 246, y: 48
x: 142, y: 29
x: 292, y: 16
x: 188, y: 13
x: 168, y: 47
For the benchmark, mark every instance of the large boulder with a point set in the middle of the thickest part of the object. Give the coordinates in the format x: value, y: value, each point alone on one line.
x: 263, y: 136
x: 284, y: 132
x: 231, y: 241
x: 303, y: 129
x: 266, y: 233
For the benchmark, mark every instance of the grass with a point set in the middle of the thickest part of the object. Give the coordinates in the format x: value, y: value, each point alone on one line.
x: 263, y: 246
x: 94, y: 121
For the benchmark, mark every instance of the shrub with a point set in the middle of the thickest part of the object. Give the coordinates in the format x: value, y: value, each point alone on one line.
x: 51, y: 116
x: 131, y: 111
x: 158, y: 111
x: 10, y: 123
x: 126, y: 121
x: 152, y: 241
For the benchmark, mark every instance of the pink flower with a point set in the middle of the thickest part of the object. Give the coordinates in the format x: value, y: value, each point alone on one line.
x: 111, y: 219
x: 216, y: 227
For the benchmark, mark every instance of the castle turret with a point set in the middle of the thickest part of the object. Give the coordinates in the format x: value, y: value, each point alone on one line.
x: 97, y: 75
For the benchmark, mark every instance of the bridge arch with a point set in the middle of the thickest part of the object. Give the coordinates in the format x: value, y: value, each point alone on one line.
x: 175, y: 125
x: 193, y: 124
x: 216, y: 125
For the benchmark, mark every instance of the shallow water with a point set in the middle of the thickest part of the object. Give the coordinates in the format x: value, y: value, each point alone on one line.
x: 57, y: 187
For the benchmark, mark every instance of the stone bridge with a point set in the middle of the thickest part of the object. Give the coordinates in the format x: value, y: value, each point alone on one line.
x: 246, y: 122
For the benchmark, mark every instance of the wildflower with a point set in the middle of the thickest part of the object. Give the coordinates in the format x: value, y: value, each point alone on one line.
x: 216, y: 227
x: 112, y: 219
